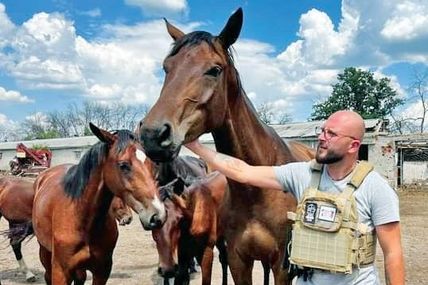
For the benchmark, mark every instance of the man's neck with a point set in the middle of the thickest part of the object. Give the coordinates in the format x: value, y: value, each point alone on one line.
x: 339, y: 170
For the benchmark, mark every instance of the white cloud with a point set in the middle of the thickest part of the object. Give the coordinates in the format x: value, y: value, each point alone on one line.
x: 409, y: 20
x: 123, y: 63
x: 160, y: 7
x: 94, y: 13
x: 7, y: 27
x: 13, y: 96
x: 3, y: 119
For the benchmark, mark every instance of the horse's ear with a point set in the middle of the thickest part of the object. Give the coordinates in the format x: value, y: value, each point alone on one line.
x: 101, y: 134
x: 230, y: 32
x: 173, y: 31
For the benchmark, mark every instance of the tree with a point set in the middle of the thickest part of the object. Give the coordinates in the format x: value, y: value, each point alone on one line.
x: 419, y: 90
x: 265, y: 113
x: 359, y: 91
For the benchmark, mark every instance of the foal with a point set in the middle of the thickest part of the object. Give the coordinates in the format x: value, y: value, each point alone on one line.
x: 71, y: 204
x: 195, y: 230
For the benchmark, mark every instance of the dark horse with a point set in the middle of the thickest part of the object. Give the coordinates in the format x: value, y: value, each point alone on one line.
x: 16, y: 203
x: 71, y: 217
x: 197, y: 230
x: 202, y: 93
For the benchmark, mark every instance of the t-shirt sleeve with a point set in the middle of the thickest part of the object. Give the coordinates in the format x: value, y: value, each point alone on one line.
x: 384, y: 202
x: 293, y: 177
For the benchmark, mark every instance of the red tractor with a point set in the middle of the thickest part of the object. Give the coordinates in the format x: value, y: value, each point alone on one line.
x: 30, y: 162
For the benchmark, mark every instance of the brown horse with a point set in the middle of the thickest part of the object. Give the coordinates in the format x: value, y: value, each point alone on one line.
x: 16, y: 203
x: 71, y: 205
x: 194, y: 230
x: 202, y: 93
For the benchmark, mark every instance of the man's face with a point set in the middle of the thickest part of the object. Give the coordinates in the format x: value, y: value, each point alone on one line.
x: 333, y: 143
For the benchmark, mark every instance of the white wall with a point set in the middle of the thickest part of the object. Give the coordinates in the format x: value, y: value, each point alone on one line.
x: 415, y: 171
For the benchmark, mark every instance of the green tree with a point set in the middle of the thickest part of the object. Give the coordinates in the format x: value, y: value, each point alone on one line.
x: 359, y: 91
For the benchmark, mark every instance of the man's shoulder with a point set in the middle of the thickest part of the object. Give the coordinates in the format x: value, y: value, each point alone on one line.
x: 375, y: 180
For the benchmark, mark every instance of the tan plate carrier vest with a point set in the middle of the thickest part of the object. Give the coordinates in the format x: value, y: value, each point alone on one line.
x: 326, y: 233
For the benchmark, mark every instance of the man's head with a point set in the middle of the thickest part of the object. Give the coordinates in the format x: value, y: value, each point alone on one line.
x: 340, y: 137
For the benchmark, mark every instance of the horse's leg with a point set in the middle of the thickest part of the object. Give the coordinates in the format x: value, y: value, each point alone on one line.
x: 207, y: 265
x: 16, y: 246
x: 79, y: 277
x: 280, y: 273
x: 222, y: 250
x: 184, y: 258
x: 266, y: 271
x: 46, y: 259
x: 102, y: 270
x: 241, y: 270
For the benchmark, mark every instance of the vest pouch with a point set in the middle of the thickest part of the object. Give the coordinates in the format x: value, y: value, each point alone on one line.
x: 322, y: 214
x: 322, y: 250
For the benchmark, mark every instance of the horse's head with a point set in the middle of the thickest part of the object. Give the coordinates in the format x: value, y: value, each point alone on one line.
x: 199, y: 75
x: 129, y: 175
x: 121, y: 212
x: 166, y: 239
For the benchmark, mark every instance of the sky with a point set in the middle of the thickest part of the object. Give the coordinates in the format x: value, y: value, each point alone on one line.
x: 56, y: 53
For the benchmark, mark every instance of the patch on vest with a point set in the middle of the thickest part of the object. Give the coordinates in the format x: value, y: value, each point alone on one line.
x: 327, y: 213
x: 310, y: 211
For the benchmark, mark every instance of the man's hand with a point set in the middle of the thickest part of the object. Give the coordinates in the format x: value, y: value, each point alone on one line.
x: 193, y: 145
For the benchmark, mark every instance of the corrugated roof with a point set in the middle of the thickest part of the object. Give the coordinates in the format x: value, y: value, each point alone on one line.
x: 290, y: 130
x: 55, y: 143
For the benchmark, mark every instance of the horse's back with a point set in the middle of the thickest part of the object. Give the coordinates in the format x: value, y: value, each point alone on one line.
x: 16, y: 199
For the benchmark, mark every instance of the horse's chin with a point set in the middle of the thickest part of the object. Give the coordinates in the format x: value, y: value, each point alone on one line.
x: 163, y: 155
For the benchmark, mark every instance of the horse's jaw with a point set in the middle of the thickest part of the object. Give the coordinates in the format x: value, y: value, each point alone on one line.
x: 152, y: 213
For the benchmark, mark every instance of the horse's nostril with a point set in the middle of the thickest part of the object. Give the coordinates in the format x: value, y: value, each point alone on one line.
x: 155, y: 222
x: 164, y: 135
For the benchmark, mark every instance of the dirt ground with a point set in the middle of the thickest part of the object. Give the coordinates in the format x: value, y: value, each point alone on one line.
x: 135, y: 257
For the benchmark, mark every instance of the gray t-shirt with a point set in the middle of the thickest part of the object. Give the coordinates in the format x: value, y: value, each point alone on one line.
x: 377, y: 204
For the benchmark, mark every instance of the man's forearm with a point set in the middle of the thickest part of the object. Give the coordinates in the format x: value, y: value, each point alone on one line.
x: 228, y: 165
x: 394, y: 269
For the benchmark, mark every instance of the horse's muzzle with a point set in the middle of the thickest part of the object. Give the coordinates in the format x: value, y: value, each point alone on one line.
x: 158, y: 143
x: 154, y: 222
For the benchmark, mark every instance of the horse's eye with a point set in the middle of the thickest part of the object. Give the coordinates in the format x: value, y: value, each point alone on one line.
x: 124, y: 166
x: 165, y: 69
x: 214, y: 71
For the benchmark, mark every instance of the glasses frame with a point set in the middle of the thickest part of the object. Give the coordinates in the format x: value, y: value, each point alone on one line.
x: 329, y: 134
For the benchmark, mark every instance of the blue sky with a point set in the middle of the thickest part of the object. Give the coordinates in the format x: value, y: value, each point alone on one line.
x: 58, y: 52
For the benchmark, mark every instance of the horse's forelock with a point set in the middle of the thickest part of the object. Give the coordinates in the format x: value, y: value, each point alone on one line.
x: 191, y: 39
x: 124, y: 137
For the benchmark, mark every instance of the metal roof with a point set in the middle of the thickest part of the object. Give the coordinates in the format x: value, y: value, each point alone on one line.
x: 285, y: 131
x: 54, y: 143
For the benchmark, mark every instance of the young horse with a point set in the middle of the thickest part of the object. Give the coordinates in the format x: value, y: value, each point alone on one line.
x: 197, y: 231
x: 184, y: 169
x: 16, y: 202
x: 71, y: 204
x: 202, y: 93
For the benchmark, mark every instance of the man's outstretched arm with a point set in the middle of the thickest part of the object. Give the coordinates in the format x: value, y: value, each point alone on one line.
x: 236, y: 169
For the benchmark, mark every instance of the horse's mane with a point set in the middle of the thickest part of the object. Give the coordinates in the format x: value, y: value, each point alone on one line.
x: 77, y: 177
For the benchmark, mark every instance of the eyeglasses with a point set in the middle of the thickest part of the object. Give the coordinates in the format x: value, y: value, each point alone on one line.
x: 329, y: 134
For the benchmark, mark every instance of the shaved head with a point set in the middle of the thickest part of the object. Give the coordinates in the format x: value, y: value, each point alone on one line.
x: 348, y: 122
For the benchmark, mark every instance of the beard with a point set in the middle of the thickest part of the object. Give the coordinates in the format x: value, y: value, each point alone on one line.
x: 329, y: 158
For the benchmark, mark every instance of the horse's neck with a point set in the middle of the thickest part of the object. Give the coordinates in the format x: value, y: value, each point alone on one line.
x: 96, y: 201
x: 244, y: 136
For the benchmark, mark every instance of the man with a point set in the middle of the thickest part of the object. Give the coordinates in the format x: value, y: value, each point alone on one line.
x: 377, y: 203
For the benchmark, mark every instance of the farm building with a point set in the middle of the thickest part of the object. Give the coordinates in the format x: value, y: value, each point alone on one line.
x: 400, y: 159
